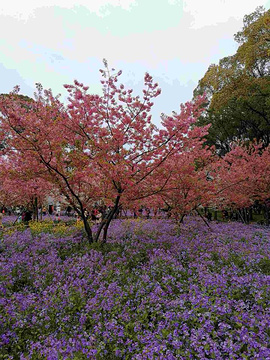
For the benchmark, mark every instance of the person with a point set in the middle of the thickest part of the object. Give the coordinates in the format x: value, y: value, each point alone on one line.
x: 23, y: 215
x: 225, y: 215
x: 86, y: 214
x: 209, y: 215
x: 57, y: 218
x: 27, y: 216
x: 50, y: 209
x: 98, y: 217
x: 68, y: 210
x: 94, y: 214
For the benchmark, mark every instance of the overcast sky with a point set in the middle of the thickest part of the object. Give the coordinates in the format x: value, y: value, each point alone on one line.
x: 56, y: 41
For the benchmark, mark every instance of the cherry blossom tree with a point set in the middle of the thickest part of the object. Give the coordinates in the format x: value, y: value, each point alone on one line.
x: 242, y: 176
x: 190, y: 185
x: 20, y: 186
x: 98, y: 147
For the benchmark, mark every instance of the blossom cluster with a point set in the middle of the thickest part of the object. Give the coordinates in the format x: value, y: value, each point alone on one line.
x: 154, y: 291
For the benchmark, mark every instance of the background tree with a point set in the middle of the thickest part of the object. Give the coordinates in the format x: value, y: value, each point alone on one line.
x: 35, y: 135
x: 20, y: 186
x: 187, y: 183
x: 242, y: 177
x: 238, y: 88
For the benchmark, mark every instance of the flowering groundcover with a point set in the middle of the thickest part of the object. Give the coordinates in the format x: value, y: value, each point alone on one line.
x: 154, y: 291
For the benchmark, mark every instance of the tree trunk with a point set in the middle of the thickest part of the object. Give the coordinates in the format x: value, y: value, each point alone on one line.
x: 110, y: 217
x: 107, y: 220
x: 203, y: 218
x: 86, y: 225
x: 182, y: 219
x: 87, y: 229
x: 80, y: 211
x: 241, y: 216
x: 36, y: 208
x: 101, y: 225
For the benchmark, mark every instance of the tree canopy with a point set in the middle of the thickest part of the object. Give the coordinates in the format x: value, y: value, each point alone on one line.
x: 96, y: 147
x: 238, y: 88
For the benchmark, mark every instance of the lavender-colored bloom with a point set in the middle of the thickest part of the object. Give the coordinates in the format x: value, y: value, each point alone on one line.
x: 154, y: 291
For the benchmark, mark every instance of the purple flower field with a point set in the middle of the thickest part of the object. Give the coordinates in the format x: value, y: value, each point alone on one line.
x: 154, y: 291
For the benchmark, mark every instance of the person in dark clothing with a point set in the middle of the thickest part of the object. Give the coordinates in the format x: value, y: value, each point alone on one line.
x: 147, y: 213
x: 209, y: 216
x: 94, y: 213
x: 26, y: 216
x: 50, y: 209
x: 68, y: 210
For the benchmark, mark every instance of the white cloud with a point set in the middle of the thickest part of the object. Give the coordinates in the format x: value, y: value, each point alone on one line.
x: 212, y: 12
x: 26, y: 9
x: 57, y: 41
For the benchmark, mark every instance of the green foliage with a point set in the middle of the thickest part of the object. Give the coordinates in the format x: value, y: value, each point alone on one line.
x: 263, y: 266
x: 238, y: 88
x: 22, y: 278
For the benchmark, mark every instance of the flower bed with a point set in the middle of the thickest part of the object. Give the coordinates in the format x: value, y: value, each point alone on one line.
x: 9, y: 220
x: 154, y: 291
